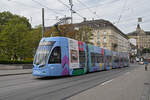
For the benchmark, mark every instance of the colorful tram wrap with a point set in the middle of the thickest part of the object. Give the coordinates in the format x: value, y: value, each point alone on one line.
x: 61, y: 56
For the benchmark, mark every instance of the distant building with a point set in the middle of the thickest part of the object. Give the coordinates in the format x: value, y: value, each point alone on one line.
x: 132, y: 41
x: 107, y: 35
x: 142, y: 37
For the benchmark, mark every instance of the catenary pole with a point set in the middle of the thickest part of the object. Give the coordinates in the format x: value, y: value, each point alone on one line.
x: 43, y: 27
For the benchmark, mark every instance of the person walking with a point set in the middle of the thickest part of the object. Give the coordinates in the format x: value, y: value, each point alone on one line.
x: 146, y: 64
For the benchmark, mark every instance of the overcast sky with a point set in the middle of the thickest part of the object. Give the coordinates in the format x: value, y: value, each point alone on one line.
x: 123, y: 13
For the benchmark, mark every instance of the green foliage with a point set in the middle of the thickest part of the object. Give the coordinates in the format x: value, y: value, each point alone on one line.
x: 85, y: 34
x: 68, y: 30
x: 146, y: 50
x: 6, y: 17
x: 33, y: 38
x: 17, y: 40
x: 15, y: 62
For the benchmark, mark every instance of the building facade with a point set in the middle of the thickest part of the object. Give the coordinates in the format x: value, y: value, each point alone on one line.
x: 142, y: 37
x: 107, y: 36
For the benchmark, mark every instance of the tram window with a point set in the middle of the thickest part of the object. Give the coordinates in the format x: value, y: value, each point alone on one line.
x: 125, y: 60
x: 116, y: 60
x: 82, y: 58
x: 121, y: 59
x: 55, y: 56
x: 93, y: 60
x: 110, y: 59
x: 99, y: 58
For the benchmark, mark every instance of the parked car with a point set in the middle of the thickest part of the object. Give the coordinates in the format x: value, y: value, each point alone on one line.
x: 141, y: 62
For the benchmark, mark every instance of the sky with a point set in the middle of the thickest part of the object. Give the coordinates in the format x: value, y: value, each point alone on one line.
x: 122, y: 13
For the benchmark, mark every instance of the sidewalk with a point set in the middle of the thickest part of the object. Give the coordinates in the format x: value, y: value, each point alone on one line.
x: 134, y: 85
x: 15, y: 66
x: 15, y: 72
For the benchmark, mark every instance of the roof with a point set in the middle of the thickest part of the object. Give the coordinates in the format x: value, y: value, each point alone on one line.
x: 147, y: 32
x: 96, y: 24
x: 100, y: 23
x: 135, y: 33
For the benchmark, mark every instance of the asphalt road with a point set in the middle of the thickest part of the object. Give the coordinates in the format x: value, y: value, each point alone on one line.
x: 27, y: 87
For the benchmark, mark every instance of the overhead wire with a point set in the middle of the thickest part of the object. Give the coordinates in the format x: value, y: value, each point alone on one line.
x: 54, y: 10
x: 88, y: 8
x: 120, y: 16
x: 69, y: 8
x: 22, y: 4
x: 97, y: 5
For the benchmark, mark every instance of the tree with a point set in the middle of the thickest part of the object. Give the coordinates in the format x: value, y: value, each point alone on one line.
x: 85, y: 34
x: 146, y: 50
x: 5, y: 17
x: 32, y: 41
x: 68, y: 30
x: 12, y: 35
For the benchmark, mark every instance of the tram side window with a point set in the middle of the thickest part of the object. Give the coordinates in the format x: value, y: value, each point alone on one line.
x: 93, y: 60
x: 82, y: 58
x: 121, y: 59
x: 110, y: 60
x: 99, y: 58
x: 116, y: 60
x: 55, y: 56
x: 96, y: 58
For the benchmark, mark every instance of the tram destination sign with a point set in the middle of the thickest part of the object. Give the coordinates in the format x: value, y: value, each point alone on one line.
x: 47, y: 43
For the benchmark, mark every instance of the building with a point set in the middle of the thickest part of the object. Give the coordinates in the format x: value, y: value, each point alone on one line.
x: 107, y: 35
x: 142, y: 38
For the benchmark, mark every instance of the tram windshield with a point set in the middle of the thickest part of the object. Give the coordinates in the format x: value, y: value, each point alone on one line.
x: 43, y: 52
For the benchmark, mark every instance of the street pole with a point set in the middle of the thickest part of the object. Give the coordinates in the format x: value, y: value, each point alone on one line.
x: 71, y: 6
x: 43, y: 27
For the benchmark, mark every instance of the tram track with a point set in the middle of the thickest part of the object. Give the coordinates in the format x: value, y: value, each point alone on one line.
x: 113, y: 75
x: 67, y: 83
x: 43, y: 79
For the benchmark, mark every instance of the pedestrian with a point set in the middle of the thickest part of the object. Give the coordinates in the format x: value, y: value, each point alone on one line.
x: 146, y: 64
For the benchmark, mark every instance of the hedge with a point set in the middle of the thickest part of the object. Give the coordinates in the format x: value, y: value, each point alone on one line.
x: 15, y: 62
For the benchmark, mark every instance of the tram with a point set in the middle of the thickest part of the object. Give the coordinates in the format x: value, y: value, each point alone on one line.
x: 61, y: 56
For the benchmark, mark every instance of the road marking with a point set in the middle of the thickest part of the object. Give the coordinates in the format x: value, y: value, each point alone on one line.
x: 106, y: 82
x: 127, y: 73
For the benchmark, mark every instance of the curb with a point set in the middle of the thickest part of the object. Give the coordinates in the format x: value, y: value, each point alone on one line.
x: 15, y: 74
x: 15, y: 66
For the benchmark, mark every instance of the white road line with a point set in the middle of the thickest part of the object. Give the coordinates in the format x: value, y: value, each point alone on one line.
x: 106, y: 82
x: 127, y: 73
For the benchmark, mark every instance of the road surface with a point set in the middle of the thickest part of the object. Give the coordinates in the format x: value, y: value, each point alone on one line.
x: 27, y: 87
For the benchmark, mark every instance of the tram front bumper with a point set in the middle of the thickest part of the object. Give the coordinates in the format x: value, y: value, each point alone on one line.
x: 40, y: 72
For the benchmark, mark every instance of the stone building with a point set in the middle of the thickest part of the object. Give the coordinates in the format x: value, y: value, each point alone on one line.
x: 107, y: 35
x: 142, y: 37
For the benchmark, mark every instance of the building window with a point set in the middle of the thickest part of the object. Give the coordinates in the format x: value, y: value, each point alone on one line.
x: 104, y: 39
x: 104, y: 45
x: 98, y: 35
x: 105, y: 32
x: 98, y: 43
